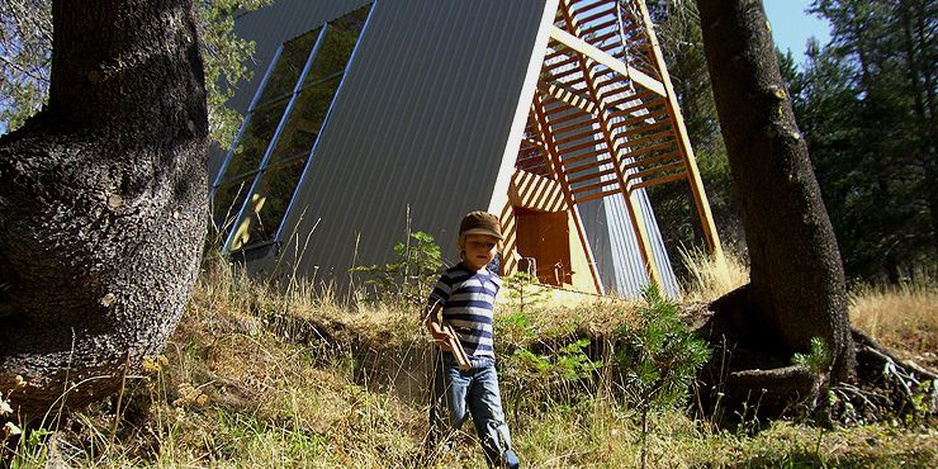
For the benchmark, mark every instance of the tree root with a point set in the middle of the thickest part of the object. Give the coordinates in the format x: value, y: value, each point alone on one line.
x: 887, y: 387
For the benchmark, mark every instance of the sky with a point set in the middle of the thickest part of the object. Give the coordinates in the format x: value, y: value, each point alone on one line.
x: 791, y: 26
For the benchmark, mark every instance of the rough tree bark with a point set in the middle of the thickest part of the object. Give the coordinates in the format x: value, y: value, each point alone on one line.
x: 797, y: 289
x: 102, y: 202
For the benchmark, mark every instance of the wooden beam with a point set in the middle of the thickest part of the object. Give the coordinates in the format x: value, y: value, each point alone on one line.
x: 598, y: 55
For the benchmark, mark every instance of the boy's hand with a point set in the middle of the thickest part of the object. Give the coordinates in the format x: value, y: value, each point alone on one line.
x: 440, y: 337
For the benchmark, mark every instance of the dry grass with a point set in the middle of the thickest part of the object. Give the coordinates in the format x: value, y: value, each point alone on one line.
x: 904, y: 318
x: 712, y: 276
x: 240, y: 386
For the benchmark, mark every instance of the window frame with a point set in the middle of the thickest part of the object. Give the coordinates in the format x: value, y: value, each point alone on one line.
x: 264, y: 165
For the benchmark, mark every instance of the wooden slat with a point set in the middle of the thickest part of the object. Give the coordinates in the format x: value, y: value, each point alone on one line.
x: 650, y: 138
x: 612, y: 91
x: 572, y: 138
x: 558, y: 76
x: 594, y: 186
x: 574, y: 130
x: 600, y: 195
x: 558, y: 51
x: 569, y: 127
x: 584, y: 9
x: 596, y: 40
x: 639, y: 120
x: 582, y: 146
x: 605, y: 172
x: 590, y: 165
x: 654, y: 129
x: 579, y: 114
x: 536, y: 144
x: 657, y: 169
x: 584, y: 103
x: 659, y: 181
x: 573, y: 87
x: 639, y: 94
x: 555, y: 65
x: 639, y: 162
x: 614, y: 79
x: 597, y: 27
x: 631, y: 28
x: 647, y: 105
x: 582, y: 156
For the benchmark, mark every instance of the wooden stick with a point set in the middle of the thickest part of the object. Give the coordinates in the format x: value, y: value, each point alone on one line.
x: 459, y: 353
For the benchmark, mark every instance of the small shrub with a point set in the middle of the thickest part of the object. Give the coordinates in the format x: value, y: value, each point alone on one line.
x: 818, y: 361
x: 523, y: 289
x: 410, y: 277
x: 536, y: 379
x: 658, y: 359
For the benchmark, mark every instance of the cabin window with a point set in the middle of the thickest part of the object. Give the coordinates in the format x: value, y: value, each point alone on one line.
x: 262, y: 170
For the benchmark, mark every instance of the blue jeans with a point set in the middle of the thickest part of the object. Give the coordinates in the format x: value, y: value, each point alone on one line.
x: 455, y: 390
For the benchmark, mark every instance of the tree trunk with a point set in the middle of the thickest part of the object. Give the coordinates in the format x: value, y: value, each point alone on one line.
x: 797, y: 289
x: 102, y: 202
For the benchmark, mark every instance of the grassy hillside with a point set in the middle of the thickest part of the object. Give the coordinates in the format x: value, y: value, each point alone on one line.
x: 256, y: 378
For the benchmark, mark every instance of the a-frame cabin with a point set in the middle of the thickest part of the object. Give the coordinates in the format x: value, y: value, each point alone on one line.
x: 366, y: 119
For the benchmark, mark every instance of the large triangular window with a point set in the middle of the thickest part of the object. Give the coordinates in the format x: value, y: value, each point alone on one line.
x: 255, y: 187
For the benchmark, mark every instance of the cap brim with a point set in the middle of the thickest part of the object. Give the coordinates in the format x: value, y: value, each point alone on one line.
x: 482, y: 231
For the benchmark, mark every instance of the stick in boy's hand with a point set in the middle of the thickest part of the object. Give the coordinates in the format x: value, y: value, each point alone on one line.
x: 458, y: 352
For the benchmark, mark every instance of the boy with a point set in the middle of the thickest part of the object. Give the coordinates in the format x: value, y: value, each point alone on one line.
x: 465, y: 294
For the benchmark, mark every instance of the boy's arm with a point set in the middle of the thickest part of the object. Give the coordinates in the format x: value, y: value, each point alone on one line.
x: 431, y: 321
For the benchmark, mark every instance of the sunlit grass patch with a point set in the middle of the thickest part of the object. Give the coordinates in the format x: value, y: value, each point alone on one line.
x: 712, y: 276
x: 905, y: 318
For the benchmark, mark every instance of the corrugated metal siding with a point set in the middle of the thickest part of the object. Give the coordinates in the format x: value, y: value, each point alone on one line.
x: 616, y: 250
x: 420, y: 123
x: 631, y: 276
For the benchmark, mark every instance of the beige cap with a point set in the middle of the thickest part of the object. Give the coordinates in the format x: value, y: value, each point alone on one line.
x: 480, y: 222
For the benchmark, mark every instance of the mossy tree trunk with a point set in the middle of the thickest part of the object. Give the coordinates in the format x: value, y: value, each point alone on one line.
x: 102, y: 202
x: 797, y: 289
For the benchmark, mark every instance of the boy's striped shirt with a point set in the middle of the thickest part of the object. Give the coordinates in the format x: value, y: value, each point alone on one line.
x: 468, y: 302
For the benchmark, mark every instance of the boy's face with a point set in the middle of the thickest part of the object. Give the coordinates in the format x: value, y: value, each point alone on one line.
x: 480, y: 250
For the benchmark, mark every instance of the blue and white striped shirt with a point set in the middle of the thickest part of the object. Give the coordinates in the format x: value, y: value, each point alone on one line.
x: 468, y: 298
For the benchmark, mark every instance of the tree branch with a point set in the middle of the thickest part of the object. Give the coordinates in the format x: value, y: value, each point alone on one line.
x: 22, y: 70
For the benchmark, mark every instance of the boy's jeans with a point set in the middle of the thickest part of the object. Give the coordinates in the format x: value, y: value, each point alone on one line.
x: 477, y: 389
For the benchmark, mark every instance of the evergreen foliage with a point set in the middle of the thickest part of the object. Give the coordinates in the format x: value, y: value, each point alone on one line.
x: 411, y: 277
x: 26, y: 61
x: 818, y: 360
x: 866, y: 104
x: 658, y: 357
